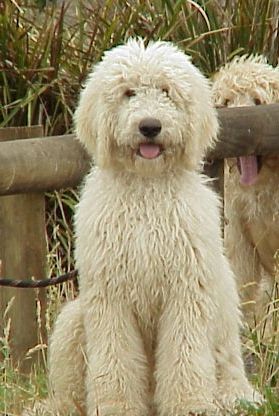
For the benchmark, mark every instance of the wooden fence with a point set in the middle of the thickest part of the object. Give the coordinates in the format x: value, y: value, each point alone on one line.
x: 36, y: 164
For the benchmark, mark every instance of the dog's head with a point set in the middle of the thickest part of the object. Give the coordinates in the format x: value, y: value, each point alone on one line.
x: 146, y: 109
x: 248, y: 81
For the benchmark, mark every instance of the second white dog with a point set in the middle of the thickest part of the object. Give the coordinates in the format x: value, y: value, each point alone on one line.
x: 251, y: 193
x: 156, y: 324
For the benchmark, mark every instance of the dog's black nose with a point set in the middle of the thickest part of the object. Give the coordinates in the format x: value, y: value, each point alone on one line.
x: 150, y: 127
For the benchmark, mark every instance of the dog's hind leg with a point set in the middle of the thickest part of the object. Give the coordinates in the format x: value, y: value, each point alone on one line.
x: 233, y: 384
x: 67, y: 361
x: 66, y: 367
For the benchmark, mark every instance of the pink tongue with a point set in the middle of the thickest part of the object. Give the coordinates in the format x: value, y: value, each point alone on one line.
x: 149, y: 151
x: 248, y: 170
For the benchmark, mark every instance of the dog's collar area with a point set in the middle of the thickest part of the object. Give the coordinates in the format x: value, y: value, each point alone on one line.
x: 149, y: 151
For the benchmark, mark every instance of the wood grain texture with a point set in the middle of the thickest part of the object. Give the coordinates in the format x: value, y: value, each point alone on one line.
x: 246, y: 131
x: 23, y: 255
x: 41, y: 164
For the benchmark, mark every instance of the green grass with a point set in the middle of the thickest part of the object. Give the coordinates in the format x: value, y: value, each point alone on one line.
x: 45, y: 56
x: 16, y: 389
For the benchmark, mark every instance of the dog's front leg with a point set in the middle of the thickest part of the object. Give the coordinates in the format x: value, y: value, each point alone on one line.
x: 185, y: 369
x: 117, y: 372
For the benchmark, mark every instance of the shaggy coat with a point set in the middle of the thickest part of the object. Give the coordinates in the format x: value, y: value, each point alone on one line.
x: 251, y: 189
x: 156, y: 325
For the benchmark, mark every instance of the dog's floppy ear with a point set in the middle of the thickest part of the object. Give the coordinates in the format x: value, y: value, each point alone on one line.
x: 86, y: 115
x: 207, y: 121
x: 210, y: 124
x: 201, y: 121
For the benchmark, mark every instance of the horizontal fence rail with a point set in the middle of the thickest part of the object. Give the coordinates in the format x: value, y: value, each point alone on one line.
x: 41, y: 164
x: 57, y: 162
x: 247, y: 130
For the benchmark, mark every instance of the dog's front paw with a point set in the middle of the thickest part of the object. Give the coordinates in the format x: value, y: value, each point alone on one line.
x: 115, y: 408
x: 232, y: 396
x: 44, y: 408
x: 50, y: 407
x: 192, y: 408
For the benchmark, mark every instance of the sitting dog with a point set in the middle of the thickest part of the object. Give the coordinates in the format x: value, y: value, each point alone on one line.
x: 155, y: 327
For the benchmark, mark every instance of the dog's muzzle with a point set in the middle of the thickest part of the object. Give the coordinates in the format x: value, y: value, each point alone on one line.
x: 150, y: 128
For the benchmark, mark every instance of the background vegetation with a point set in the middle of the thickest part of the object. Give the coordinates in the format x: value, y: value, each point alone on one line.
x: 46, y: 50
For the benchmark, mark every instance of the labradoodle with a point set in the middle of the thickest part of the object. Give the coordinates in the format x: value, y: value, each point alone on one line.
x: 155, y: 327
x: 251, y: 188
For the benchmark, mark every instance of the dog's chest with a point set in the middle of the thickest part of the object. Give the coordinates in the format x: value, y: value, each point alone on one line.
x: 142, y: 244
x: 258, y: 211
x: 148, y: 247
x: 150, y: 252
x: 136, y: 243
x: 263, y: 234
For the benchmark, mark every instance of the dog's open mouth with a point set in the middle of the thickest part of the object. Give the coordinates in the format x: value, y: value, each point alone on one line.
x: 249, y: 168
x: 149, y: 150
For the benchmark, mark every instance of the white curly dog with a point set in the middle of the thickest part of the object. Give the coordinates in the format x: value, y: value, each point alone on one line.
x: 251, y: 189
x: 156, y: 325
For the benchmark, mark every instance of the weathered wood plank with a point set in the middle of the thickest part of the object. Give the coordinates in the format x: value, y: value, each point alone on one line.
x: 41, y: 164
x: 60, y: 161
x: 23, y: 254
x: 247, y: 130
x: 14, y: 133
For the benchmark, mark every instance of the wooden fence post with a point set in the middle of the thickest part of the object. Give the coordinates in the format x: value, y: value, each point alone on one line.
x: 23, y: 255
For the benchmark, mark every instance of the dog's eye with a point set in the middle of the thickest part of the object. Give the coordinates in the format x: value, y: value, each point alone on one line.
x: 130, y: 93
x: 165, y: 90
x: 257, y: 101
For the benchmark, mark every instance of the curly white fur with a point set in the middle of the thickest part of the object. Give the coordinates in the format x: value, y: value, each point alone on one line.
x: 252, y: 212
x: 156, y: 324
